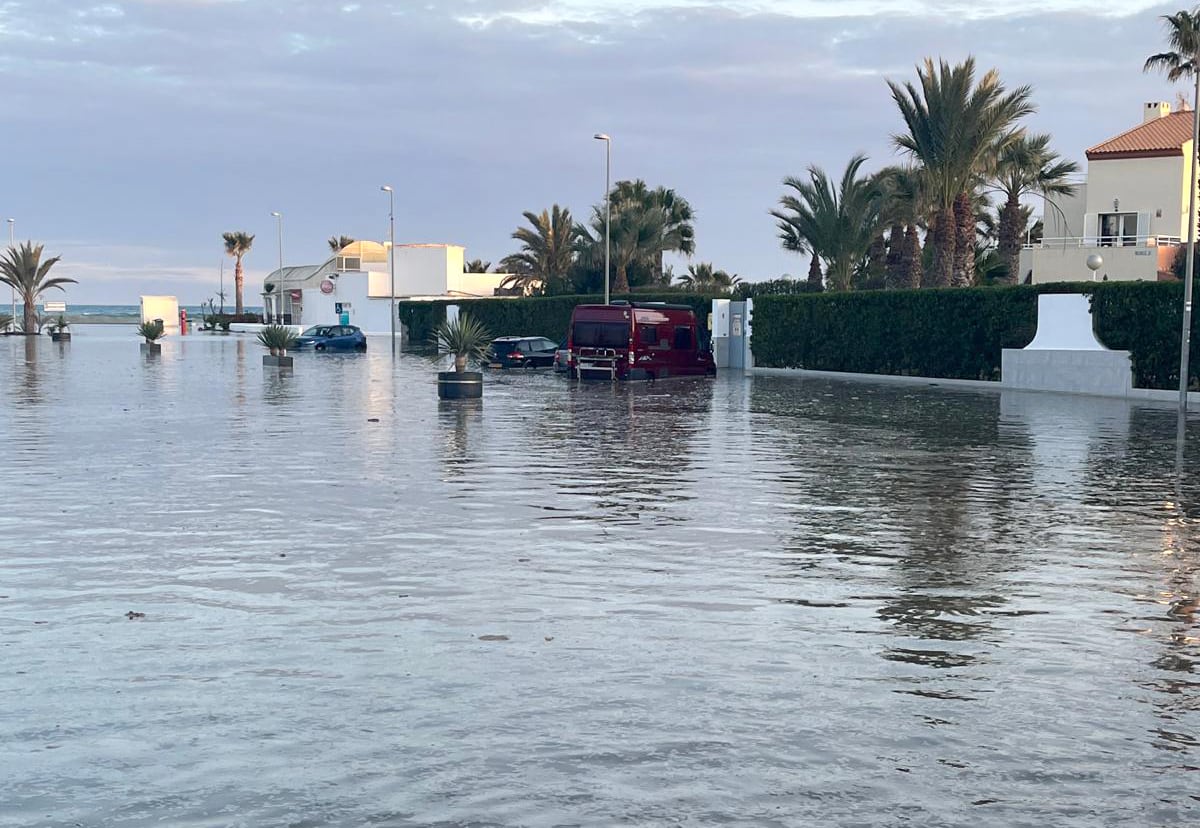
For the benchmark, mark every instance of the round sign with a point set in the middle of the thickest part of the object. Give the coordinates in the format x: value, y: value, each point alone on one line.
x: 326, y: 286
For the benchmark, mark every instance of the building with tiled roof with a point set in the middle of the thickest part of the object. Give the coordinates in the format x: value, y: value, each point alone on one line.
x: 1131, y: 211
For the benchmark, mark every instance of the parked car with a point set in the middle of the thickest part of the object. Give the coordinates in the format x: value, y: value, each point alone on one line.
x: 562, y: 358
x: 521, y: 352
x: 332, y: 338
x: 639, y: 340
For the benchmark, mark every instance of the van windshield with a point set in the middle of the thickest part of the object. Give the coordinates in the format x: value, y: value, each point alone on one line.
x: 600, y: 335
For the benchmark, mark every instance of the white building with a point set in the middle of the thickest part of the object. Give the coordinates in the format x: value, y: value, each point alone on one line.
x: 353, y: 286
x: 1131, y: 210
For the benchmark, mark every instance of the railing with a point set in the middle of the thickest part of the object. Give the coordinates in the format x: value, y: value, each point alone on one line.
x: 1063, y: 242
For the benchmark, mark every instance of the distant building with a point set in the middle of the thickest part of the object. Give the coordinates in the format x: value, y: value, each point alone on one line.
x: 353, y: 286
x: 1132, y: 209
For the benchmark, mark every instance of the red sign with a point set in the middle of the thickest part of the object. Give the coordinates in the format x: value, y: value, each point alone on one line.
x: 326, y: 287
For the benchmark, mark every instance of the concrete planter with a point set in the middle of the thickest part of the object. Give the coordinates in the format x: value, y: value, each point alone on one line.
x: 273, y: 361
x: 460, y: 385
x: 64, y: 336
x: 151, y: 348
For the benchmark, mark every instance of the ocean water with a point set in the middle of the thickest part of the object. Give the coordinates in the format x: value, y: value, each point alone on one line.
x: 117, y: 314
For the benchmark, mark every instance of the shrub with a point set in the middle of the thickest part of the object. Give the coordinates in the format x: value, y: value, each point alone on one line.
x: 151, y: 330
x: 277, y: 337
x: 960, y: 332
x: 774, y: 287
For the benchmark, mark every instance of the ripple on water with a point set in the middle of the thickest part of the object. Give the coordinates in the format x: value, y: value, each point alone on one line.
x: 749, y: 601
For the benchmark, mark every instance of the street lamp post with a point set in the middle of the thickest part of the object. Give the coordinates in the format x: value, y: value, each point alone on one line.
x: 1185, y: 338
x: 11, y: 244
x: 279, y: 287
x: 387, y: 188
x: 600, y: 136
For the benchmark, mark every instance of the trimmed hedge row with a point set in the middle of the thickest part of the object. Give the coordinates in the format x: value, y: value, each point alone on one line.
x: 547, y: 316
x: 959, y: 333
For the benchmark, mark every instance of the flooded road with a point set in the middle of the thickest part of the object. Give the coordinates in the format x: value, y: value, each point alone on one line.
x: 750, y: 602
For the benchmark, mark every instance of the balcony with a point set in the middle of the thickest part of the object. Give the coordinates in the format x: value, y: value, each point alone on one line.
x: 1124, y: 258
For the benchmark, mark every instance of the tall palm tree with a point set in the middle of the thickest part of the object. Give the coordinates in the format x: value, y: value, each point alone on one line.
x: 954, y: 126
x: 336, y: 243
x: 547, y: 248
x: 238, y: 244
x: 477, y: 266
x: 678, y: 233
x: 903, y: 208
x: 23, y: 270
x: 837, y: 224
x: 635, y: 234
x: 1026, y: 166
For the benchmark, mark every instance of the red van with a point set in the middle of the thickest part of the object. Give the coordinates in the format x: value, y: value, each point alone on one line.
x: 637, y: 340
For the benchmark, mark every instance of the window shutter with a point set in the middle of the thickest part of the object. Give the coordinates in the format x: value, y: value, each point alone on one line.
x: 1143, y: 229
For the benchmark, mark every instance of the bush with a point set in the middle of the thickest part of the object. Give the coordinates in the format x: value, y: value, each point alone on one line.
x: 547, y: 316
x: 959, y: 332
x: 774, y: 287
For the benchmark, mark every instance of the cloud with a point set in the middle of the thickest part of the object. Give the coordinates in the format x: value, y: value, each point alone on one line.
x: 144, y: 129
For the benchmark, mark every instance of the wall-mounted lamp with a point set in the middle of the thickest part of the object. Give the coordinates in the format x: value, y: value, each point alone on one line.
x: 1116, y: 205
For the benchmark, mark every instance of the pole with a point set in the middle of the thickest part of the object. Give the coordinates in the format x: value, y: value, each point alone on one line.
x: 279, y: 283
x: 392, y: 259
x: 11, y: 244
x: 1185, y: 338
x: 607, y: 212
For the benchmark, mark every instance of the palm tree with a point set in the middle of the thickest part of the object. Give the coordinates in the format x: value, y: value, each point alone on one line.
x: 701, y: 277
x: 23, y: 270
x: 337, y: 243
x: 547, y: 248
x: 678, y: 233
x: 238, y: 244
x: 477, y: 266
x: 838, y: 225
x: 903, y: 208
x: 635, y: 236
x: 1026, y: 166
x: 954, y: 126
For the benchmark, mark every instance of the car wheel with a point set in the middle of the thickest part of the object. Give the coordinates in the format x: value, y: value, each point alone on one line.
x: 530, y: 365
x: 360, y: 347
x: 318, y: 347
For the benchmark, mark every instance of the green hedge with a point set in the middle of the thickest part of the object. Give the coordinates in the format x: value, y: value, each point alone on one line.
x: 546, y: 316
x: 959, y: 333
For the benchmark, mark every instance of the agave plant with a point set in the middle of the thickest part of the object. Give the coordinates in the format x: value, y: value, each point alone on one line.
x: 278, y: 338
x: 151, y: 331
x: 464, y: 338
x: 59, y: 325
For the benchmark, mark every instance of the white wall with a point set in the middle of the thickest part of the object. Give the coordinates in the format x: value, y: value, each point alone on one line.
x: 1142, y: 185
x: 165, y: 308
x: 1121, y: 264
x: 1067, y: 220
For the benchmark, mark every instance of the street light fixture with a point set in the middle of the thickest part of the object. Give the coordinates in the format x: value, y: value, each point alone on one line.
x: 387, y: 188
x: 279, y: 221
x: 600, y: 136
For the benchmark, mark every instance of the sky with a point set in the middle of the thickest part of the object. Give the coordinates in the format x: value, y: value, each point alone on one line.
x: 135, y: 132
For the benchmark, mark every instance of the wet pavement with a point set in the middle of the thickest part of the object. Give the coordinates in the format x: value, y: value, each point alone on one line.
x: 229, y: 597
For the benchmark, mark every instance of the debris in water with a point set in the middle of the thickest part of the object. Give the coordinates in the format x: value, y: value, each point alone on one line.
x: 493, y: 638
x: 131, y: 615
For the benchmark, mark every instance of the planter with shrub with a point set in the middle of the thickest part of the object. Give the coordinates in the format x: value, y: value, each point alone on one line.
x: 277, y: 339
x: 464, y: 339
x: 151, y: 331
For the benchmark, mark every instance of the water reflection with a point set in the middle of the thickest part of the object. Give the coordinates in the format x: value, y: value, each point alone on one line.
x: 457, y: 420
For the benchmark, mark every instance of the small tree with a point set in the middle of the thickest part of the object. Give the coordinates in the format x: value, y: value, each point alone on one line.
x: 463, y: 338
x: 23, y: 270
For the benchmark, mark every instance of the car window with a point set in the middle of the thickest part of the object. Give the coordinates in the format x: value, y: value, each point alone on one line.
x: 315, y: 330
x: 546, y: 345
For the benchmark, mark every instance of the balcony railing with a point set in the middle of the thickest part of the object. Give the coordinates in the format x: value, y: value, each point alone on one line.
x: 1064, y: 242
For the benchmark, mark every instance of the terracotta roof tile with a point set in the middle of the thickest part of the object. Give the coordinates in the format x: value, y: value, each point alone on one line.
x: 1162, y: 136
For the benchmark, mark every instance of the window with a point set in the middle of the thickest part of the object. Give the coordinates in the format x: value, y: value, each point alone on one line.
x: 1118, y: 229
x: 683, y: 339
x: 648, y: 335
x: 349, y: 262
x: 600, y: 335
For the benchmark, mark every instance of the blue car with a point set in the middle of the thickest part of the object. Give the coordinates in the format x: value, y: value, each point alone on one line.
x: 332, y: 338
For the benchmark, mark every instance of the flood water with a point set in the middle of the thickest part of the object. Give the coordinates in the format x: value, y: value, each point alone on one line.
x: 760, y: 602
